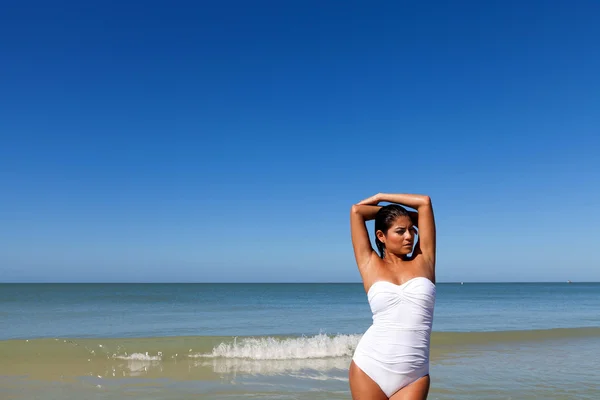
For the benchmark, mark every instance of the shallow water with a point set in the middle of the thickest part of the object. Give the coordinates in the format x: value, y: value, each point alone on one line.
x: 490, y: 341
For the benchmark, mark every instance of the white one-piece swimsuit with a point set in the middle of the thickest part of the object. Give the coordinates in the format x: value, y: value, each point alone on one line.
x: 394, y: 351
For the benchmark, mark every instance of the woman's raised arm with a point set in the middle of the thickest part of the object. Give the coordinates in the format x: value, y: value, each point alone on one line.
x: 359, y: 214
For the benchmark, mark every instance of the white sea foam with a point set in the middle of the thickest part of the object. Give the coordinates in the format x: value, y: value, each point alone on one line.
x: 269, y: 348
x: 139, y: 357
x: 300, y: 367
x: 138, y: 363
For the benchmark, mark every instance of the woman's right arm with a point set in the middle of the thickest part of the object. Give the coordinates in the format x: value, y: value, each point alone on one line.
x: 359, y: 214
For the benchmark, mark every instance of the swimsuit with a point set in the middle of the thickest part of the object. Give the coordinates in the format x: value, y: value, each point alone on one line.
x: 394, y: 351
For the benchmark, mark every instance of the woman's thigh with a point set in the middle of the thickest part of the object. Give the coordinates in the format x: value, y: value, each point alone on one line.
x: 362, y: 386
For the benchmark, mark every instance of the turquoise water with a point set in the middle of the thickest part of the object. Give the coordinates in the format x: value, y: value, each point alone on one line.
x: 286, y: 341
x: 136, y: 310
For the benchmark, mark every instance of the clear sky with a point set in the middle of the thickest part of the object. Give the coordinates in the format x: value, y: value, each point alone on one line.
x: 226, y: 141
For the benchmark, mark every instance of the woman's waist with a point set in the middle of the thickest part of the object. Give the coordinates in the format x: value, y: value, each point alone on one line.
x: 399, y: 325
x: 395, y: 347
x: 397, y: 337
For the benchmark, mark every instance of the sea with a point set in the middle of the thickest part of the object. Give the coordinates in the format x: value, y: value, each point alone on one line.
x: 287, y: 341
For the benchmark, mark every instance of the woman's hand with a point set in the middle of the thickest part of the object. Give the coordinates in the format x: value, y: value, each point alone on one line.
x: 371, y: 201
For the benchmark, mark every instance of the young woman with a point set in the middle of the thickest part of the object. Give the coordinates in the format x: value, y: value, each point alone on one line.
x: 391, y: 360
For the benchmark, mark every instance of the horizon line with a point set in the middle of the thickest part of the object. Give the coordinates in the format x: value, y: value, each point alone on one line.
x: 273, y: 283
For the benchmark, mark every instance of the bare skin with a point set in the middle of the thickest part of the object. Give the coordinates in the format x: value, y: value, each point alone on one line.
x: 396, y: 266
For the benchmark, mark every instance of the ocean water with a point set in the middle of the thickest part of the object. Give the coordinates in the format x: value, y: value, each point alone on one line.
x: 286, y: 341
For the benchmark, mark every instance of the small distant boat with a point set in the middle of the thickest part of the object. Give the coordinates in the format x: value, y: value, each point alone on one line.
x: 569, y: 282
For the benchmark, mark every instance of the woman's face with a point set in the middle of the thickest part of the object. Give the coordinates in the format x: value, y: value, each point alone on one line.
x: 400, y: 237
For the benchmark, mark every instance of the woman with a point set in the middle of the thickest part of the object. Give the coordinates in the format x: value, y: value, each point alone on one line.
x: 391, y: 360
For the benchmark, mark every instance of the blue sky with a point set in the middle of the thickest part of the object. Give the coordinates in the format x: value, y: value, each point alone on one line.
x: 205, y: 142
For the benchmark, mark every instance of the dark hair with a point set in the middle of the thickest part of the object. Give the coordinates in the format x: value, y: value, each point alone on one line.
x: 384, y: 219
